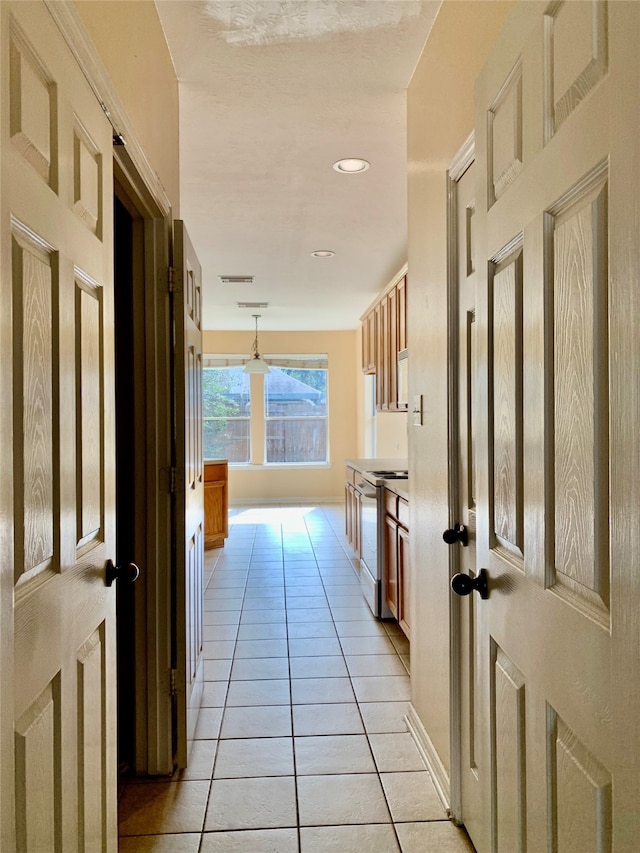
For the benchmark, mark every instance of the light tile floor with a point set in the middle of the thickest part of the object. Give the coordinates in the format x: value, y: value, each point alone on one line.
x: 301, y: 745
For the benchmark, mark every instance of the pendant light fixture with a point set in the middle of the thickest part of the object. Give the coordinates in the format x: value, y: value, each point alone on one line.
x: 256, y: 365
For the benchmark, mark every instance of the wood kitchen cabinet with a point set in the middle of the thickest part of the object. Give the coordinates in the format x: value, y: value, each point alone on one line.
x: 401, y: 314
x: 352, y: 510
x: 383, y: 387
x: 369, y: 343
x: 391, y: 563
x: 404, y: 581
x: 391, y: 353
x: 397, y: 588
x: 216, y: 503
x: 384, y: 334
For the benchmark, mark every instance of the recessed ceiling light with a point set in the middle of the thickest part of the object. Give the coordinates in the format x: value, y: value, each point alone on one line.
x: 351, y: 165
x: 323, y: 253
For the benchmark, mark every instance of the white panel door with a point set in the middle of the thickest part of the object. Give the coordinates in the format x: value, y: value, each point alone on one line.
x: 189, y: 505
x: 57, y: 618
x: 462, y: 539
x: 557, y: 726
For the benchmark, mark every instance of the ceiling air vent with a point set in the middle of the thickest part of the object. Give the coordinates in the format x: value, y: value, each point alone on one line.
x: 252, y: 304
x: 236, y: 279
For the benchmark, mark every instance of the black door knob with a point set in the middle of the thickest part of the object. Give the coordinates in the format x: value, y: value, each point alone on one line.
x: 465, y: 584
x: 457, y: 533
x: 113, y: 573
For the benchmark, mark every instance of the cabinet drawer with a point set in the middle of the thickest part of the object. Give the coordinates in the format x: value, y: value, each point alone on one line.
x: 391, y: 503
x: 350, y: 475
x: 403, y: 512
x: 215, y: 471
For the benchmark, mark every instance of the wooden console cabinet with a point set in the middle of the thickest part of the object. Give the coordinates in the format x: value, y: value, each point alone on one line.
x: 216, y: 503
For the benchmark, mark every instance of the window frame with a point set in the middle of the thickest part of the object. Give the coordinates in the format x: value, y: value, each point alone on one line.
x: 257, y: 406
x: 304, y: 364
x: 205, y: 418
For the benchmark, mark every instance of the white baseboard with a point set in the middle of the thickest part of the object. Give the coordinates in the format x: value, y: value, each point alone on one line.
x: 439, y: 775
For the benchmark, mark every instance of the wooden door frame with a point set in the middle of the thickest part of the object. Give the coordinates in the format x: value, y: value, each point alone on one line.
x: 151, y: 418
x: 146, y: 197
x: 458, y: 166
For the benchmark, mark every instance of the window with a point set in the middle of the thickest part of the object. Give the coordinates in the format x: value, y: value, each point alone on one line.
x: 226, y: 407
x: 295, y: 403
x: 284, y: 411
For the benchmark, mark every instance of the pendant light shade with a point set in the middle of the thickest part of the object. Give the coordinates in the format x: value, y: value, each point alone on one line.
x: 256, y: 365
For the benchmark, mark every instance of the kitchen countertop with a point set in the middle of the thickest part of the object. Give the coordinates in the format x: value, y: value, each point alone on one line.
x: 363, y: 465
x: 399, y: 487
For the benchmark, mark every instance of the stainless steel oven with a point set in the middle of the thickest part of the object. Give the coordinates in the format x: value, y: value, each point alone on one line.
x: 371, y: 550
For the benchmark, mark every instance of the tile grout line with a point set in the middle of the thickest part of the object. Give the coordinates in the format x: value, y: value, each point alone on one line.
x: 373, y: 758
x: 366, y: 733
x: 293, y: 743
x: 215, y: 757
x: 329, y: 542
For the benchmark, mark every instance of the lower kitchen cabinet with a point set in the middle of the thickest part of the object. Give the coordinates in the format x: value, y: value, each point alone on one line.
x: 397, y: 588
x: 352, y: 510
x: 404, y: 581
x: 391, y: 585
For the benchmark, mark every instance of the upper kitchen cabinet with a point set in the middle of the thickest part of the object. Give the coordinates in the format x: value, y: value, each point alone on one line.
x: 369, y: 338
x: 384, y: 335
x: 401, y: 312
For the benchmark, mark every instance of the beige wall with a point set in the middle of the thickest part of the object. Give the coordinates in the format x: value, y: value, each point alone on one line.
x: 131, y: 44
x: 440, y: 117
x: 269, y: 483
x: 391, y: 427
x: 391, y: 435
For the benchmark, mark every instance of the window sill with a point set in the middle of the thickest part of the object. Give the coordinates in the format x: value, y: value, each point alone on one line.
x: 277, y: 466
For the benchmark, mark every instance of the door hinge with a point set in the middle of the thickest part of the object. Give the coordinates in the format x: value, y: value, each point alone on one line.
x: 173, y: 283
x: 170, y: 479
x: 173, y: 684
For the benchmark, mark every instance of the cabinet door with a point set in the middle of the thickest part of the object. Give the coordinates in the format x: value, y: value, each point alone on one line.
x: 372, y: 342
x: 348, y: 528
x: 365, y: 345
x: 391, y: 555
x: 352, y: 516
x: 404, y: 582
x: 392, y: 348
x: 369, y: 343
x: 385, y: 359
x: 402, y: 313
x: 382, y: 374
x: 357, y: 538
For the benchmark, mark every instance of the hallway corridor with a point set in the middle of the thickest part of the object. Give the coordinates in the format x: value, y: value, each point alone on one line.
x: 301, y: 744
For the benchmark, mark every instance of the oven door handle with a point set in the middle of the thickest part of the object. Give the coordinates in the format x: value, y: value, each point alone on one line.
x: 365, y: 490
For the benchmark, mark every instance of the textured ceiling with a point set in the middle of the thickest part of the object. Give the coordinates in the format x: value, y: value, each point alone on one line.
x: 271, y: 94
